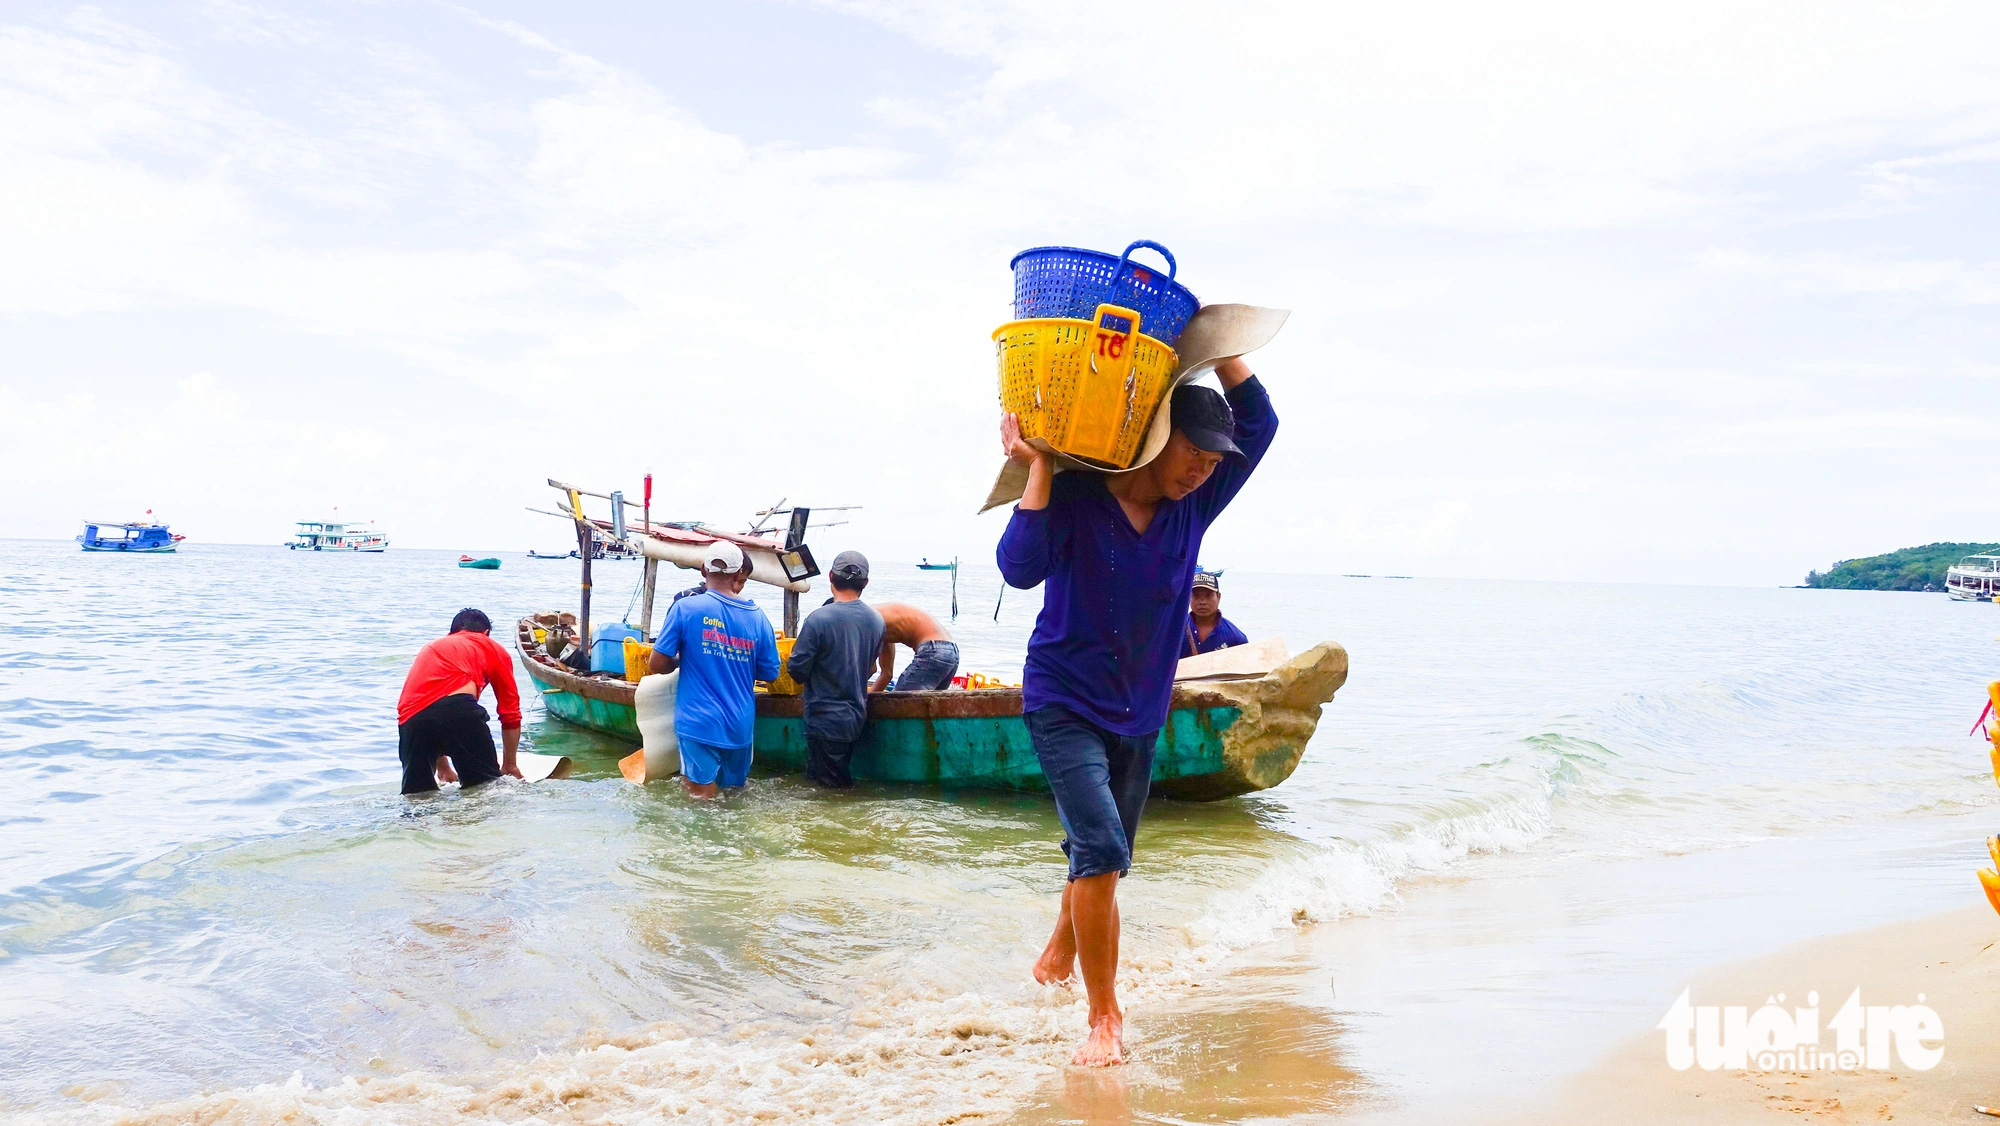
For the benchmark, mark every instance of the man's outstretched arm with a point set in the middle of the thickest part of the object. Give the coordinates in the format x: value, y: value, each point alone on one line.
x: 1023, y: 552
x: 886, y: 664
x: 1256, y: 426
x: 510, y: 746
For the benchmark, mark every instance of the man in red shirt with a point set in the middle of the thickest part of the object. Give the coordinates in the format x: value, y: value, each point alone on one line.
x: 439, y: 716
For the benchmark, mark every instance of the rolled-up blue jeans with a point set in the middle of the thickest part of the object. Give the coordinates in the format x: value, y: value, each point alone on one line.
x: 1100, y: 779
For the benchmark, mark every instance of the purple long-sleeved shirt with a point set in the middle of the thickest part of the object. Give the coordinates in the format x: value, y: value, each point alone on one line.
x: 1115, y: 608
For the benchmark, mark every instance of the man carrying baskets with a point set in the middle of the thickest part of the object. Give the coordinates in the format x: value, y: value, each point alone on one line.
x: 1118, y: 554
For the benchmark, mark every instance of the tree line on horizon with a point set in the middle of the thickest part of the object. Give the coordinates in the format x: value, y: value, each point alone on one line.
x: 1912, y: 568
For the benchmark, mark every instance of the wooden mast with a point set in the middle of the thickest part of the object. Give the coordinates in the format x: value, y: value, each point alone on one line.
x: 584, y: 536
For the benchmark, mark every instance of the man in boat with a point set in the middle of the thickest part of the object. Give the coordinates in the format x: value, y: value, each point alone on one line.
x: 1207, y: 629
x: 830, y: 660
x: 1117, y: 553
x: 934, y: 655
x: 722, y: 643
x: 438, y: 717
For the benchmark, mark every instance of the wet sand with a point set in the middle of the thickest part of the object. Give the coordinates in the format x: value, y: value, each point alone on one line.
x: 1272, y: 1042
x: 1950, y: 959
x: 1240, y: 1047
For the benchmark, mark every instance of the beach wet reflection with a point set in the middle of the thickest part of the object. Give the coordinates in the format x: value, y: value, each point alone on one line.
x: 1230, y: 1059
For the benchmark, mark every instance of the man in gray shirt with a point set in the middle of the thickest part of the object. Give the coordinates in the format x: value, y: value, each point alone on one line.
x: 831, y: 660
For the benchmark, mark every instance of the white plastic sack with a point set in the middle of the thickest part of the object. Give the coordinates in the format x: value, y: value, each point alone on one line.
x: 659, y: 755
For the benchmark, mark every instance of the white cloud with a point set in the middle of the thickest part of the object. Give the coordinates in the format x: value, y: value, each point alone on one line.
x: 1957, y: 282
x: 1535, y: 255
x: 1888, y: 430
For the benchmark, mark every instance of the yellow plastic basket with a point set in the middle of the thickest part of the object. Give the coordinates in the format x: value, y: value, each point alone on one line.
x: 784, y: 685
x: 1087, y: 389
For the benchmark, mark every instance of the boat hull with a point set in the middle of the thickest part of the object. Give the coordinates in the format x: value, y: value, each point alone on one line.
x: 1973, y: 583
x: 1221, y: 738
x: 161, y: 549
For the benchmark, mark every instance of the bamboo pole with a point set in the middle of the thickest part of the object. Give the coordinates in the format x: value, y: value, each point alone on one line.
x: 583, y: 546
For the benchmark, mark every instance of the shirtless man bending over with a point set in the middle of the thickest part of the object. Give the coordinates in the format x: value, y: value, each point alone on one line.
x: 936, y: 654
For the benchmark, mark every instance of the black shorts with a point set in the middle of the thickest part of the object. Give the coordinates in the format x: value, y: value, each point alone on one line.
x: 454, y: 728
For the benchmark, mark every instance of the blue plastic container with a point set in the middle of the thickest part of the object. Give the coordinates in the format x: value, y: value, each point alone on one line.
x: 607, y: 648
x: 1065, y: 281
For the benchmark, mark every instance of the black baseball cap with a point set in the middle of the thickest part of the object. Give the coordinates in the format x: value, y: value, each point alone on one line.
x: 850, y: 565
x: 1204, y: 416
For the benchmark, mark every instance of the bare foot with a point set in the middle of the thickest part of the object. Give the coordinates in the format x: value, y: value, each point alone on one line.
x: 701, y: 790
x: 1056, y: 967
x: 444, y: 771
x: 1049, y: 972
x: 1105, y: 1046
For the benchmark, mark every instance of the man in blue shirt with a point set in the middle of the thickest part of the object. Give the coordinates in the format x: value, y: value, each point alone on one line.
x: 1117, y: 554
x: 722, y: 643
x: 1207, y: 629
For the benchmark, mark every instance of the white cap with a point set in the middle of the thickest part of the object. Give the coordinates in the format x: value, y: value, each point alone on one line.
x: 722, y: 558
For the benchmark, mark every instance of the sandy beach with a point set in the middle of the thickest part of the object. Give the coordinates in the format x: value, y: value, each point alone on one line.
x: 1948, y: 958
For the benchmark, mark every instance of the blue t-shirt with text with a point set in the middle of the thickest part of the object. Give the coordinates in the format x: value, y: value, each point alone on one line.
x: 724, y: 644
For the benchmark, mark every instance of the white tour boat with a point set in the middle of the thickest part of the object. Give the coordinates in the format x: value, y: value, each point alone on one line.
x: 319, y: 535
x: 1974, y: 578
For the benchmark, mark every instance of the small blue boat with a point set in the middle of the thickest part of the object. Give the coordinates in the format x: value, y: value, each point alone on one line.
x: 109, y: 535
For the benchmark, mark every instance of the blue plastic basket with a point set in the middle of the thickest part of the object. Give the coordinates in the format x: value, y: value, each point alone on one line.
x: 1064, y: 281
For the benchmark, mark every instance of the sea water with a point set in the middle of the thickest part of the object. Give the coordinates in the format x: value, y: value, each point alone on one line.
x: 1532, y: 807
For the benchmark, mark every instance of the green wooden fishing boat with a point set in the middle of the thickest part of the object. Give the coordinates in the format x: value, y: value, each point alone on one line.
x: 1223, y: 737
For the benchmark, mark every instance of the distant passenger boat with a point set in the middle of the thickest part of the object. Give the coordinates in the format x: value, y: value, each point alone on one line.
x: 1974, y: 578
x: 925, y: 564
x: 319, y: 535
x: 106, y: 535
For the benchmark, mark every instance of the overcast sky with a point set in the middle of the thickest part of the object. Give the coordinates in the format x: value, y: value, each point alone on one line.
x: 1686, y: 292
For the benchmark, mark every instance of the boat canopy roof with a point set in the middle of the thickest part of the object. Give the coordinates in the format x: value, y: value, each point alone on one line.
x: 1980, y: 563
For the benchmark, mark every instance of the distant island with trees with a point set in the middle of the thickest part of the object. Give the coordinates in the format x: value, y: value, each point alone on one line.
x: 1913, y: 568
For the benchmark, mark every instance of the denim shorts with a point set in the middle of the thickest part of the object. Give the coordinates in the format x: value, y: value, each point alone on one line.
x: 703, y: 763
x: 930, y: 669
x: 1100, y: 779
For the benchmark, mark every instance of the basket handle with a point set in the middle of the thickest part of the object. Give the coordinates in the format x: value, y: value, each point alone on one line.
x: 1122, y: 360
x: 1125, y: 259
